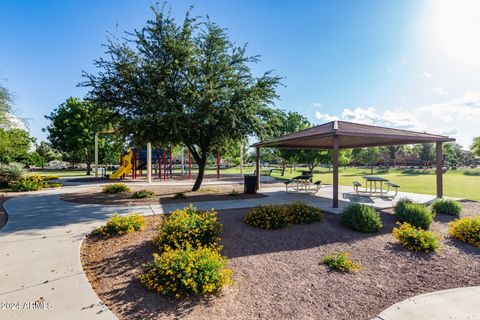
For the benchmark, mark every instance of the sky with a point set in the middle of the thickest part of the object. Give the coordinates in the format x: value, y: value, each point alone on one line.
x: 409, y: 64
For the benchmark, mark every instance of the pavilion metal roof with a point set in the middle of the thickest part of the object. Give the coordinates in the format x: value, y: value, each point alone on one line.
x: 350, y: 135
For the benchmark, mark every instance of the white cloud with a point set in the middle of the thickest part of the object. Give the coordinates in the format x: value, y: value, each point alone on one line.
x: 458, y: 118
x: 424, y: 75
x: 316, y: 104
x: 325, y: 117
x: 389, y: 69
x: 440, y: 91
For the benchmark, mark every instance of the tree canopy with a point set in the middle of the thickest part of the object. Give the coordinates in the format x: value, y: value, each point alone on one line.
x: 475, y: 148
x: 73, y: 127
x: 15, y: 146
x: 183, y: 83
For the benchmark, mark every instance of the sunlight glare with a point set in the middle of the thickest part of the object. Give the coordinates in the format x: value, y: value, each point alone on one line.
x: 457, y: 28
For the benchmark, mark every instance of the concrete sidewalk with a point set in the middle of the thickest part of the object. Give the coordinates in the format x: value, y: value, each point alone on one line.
x: 454, y: 304
x: 39, y: 248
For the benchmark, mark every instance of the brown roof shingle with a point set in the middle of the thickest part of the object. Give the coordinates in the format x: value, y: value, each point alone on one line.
x: 351, y: 135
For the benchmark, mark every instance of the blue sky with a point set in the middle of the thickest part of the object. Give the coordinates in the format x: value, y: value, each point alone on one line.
x: 409, y: 64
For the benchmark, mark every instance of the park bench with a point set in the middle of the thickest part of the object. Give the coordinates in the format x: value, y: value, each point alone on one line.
x: 317, y: 184
x: 392, y: 185
x: 356, y: 185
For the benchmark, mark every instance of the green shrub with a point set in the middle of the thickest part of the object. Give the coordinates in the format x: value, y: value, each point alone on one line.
x: 414, y: 213
x: 416, y: 239
x: 466, y: 229
x: 266, y: 217
x: 188, y: 226
x: 119, y: 225
x: 298, y: 213
x: 187, y: 271
x: 180, y: 195
x: 400, y: 206
x: 340, y: 261
x: 447, y: 206
x: 142, y: 194
x: 11, y: 172
x: 24, y: 185
x: 361, y: 217
x: 116, y: 188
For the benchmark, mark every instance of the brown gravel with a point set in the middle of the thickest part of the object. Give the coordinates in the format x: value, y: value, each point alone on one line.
x: 163, y: 194
x: 278, y: 276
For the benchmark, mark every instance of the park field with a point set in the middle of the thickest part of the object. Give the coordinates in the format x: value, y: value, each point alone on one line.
x: 460, y: 183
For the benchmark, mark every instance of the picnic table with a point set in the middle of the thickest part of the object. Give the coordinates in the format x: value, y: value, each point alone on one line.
x: 303, y: 180
x: 373, y: 180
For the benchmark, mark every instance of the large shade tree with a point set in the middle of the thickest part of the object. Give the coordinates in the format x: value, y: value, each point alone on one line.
x: 475, y: 147
x: 183, y: 83
x: 285, y: 123
x: 73, y: 127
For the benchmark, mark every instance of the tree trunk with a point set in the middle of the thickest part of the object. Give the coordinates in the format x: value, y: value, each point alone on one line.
x: 284, y: 165
x: 201, y: 172
x: 89, y: 168
x: 371, y: 169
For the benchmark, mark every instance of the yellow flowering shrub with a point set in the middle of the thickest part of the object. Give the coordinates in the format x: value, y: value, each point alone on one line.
x: 189, y: 270
x: 416, y: 239
x: 116, y: 188
x: 189, y: 226
x: 266, y: 217
x: 119, y: 225
x: 340, y: 261
x: 466, y: 229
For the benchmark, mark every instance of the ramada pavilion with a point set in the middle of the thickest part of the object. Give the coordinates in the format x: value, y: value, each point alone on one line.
x: 338, y: 135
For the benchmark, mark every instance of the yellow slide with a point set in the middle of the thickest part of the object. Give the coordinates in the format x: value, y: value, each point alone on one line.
x: 125, y: 168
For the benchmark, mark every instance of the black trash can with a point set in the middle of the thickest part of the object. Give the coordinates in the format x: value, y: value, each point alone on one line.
x: 250, y: 184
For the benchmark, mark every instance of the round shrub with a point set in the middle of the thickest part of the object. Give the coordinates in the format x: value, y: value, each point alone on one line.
x: 416, y: 239
x: 116, y: 188
x: 447, y: 206
x: 143, y: 194
x: 266, y: 217
x: 414, y: 213
x: 189, y: 227
x: 190, y: 270
x: 119, y: 225
x: 13, y: 171
x: 298, y: 212
x: 340, y: 261
x: 466, y: 229
x: 361, y: 217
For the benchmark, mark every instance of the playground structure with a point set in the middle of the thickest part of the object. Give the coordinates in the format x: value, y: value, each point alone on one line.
x: 137, y: 159
x: 135, y: 162
x: 157, y: 162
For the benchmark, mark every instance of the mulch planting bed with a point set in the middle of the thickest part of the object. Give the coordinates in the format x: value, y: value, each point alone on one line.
x: 277, y: 273
x: 163, y: 194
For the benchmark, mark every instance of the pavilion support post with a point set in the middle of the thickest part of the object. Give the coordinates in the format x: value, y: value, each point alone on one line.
x: 96, y: 155
x: 149, y: 162
x: 241, y: 160
x: 439, y: 154
x: 257, y: 168
x: 335, y: 171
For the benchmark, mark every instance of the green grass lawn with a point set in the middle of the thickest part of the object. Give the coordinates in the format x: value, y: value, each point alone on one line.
x: 60, y: 173
x: 455, y: 182
x: 460, y: 183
